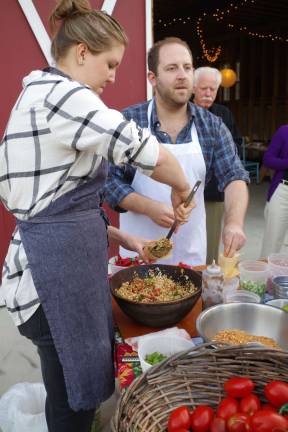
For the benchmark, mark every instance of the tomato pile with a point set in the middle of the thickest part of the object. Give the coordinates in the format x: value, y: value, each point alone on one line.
x: 127, y: 262
x: 240, y: 411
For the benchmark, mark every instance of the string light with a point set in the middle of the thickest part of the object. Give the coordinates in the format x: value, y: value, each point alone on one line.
x: 210, y: 54
x: 219, y: 16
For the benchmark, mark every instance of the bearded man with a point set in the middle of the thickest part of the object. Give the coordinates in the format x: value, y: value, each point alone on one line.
x: 202, y: 144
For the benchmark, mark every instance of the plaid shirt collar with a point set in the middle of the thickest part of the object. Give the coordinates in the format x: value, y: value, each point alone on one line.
x: 185, y: 133
x: 155, y: 123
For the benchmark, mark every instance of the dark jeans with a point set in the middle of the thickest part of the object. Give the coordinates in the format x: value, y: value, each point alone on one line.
x: 60, y: 417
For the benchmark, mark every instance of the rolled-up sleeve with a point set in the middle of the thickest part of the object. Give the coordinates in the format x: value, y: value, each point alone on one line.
x: 227, y: 164
x: 118, y: 185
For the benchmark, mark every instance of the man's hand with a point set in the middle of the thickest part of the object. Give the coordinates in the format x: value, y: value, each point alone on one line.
x: 181, y: 213
x: 160, y: 213
x: 233, y: 238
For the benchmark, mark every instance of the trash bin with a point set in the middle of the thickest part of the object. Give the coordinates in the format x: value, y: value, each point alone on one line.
x: 22, y: 408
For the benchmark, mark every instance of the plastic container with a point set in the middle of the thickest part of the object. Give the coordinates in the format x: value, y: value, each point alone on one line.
x: 212, y: 285
x: 229, y: 265
x: 241, y: 296
x: 254, y: 276
x: 165, y: 344
x: 230, y: 285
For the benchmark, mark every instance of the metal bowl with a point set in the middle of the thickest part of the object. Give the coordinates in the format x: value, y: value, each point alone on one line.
x: 279, y: 302
x: 156, y: 314
x: 254, y: 318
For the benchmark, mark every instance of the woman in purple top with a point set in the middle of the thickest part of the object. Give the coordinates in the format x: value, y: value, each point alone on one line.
x: 276, y: 209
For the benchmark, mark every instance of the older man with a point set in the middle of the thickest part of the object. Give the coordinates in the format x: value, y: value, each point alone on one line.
x: 202, y: 144
x: 206, y: 84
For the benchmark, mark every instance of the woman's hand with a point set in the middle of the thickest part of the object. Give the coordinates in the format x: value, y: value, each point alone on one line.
x: 137, y: 244
x: 133, y: 243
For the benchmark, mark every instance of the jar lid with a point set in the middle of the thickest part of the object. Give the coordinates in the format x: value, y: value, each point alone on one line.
x: 214, y: 268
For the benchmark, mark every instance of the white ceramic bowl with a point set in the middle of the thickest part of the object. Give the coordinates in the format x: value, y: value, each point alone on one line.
x: 112, y: 267
x: 165, y: 344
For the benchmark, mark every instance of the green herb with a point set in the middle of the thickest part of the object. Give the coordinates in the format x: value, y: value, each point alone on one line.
x: 155, y: 358
x: 256, y: 287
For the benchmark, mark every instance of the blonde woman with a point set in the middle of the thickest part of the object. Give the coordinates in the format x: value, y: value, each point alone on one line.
x: 54, y: 156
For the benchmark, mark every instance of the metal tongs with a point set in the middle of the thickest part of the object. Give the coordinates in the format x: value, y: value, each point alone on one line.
x: 187, y: 202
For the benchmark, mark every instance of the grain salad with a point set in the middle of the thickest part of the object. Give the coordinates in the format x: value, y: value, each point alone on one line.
x: 240, y: 337
x: 156, y: 288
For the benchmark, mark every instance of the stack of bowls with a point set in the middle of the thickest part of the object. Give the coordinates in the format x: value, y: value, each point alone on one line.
x: 278, y: 266
x: 280, y: 286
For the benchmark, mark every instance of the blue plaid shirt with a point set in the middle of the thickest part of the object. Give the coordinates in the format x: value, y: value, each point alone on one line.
x: 218, y: 148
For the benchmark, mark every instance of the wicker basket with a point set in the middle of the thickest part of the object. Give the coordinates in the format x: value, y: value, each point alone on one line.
x: 192, y: 378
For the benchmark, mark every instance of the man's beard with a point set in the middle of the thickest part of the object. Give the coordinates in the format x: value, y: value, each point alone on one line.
x: 172, y: 98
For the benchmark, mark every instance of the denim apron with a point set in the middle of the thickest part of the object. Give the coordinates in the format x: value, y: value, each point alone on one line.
x: 66, y: 247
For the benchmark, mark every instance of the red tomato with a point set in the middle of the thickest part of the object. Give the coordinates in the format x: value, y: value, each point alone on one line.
x: 268, y: 421
x: 181, y: 430
x: 227, y: 408
x: 238, y: 387
x: 250, y: 404
x: 276, y: 392
x: 201, y: 418
x: 268, y: 407
x: 239, y: 422
x: 218, y: 425
x: 179, y: 418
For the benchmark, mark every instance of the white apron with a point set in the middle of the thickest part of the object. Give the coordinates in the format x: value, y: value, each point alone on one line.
x: 189, y: 243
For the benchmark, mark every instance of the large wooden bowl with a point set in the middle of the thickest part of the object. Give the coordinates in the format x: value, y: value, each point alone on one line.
x: 163, y: 314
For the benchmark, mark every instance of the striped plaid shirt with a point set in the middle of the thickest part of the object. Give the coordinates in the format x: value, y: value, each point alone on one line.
x: 218, y: 148
x: 58, y: 132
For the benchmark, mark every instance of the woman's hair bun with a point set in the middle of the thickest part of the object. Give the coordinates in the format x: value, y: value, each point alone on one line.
x: 67, y: 9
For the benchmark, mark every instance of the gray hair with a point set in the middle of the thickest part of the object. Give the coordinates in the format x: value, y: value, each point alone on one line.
x: 207, y: 70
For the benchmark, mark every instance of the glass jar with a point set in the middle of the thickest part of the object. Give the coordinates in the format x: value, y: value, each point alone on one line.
x: 212, y: 285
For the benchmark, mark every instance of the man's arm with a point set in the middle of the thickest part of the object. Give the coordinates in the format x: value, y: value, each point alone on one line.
x: 232, y: 178
x: 236, y: 203
x: 121, y: 196
x: 159, y: 212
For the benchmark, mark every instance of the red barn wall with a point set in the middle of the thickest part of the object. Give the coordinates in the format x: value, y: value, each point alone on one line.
x: 21, y: 53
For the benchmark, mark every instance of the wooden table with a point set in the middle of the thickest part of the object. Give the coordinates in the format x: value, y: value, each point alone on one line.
x: 130, y: 328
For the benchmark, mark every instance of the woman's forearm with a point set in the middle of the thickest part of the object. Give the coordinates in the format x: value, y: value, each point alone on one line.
x: 115, y: 235
x: 169, y: 171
